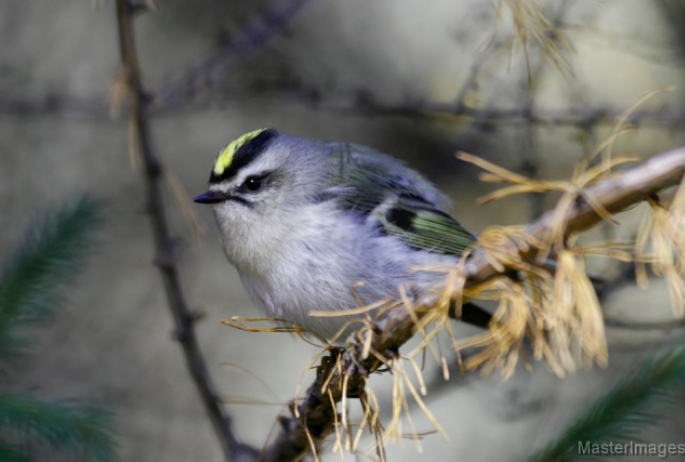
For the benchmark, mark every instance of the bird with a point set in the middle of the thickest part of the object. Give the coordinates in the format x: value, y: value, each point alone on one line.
x: 329, y: 226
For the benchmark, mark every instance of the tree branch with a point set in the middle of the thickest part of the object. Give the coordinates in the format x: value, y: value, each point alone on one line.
x: 614, y: 193
x: 358, y: 102
x: 184, y: 317
x: 267, y: 26
x: 315, y: 415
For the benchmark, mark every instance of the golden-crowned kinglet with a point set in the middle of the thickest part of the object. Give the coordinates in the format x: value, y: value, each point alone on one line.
x: 326, y: 226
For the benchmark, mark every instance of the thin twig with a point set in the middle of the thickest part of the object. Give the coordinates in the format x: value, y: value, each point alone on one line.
x: 579, y: 117
x: 268, y: 25
x: 487, y: 50
x: 529, y: 161
x: 178, y: 89
x: 316, y: 413
x: 184, y: 317
x: 92, y: 108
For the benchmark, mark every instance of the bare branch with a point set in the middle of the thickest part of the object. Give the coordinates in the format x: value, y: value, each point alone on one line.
x: 315, y: 415
x: 580, y: 117
x: 165, y: 259
x: 268, y: 25
x: 358, y: 101
x: 179, y: 89
x: 538, y: 65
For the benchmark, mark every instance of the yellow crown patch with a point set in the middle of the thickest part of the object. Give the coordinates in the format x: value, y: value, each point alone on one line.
x: 225, y: 158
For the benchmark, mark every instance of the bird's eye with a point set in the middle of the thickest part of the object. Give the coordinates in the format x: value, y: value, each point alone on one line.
x: 252, y: 183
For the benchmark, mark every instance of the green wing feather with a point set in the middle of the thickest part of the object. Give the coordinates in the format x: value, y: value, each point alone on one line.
x: 427, y: 229
x: 405, y: 204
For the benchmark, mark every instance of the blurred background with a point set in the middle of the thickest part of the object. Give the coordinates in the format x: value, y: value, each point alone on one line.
x: 420, y: 80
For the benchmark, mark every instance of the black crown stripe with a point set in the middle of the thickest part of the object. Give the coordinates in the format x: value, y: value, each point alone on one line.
x: 245, y: 155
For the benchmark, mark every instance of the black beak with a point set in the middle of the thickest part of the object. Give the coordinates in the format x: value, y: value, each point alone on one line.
x: 210, y: 197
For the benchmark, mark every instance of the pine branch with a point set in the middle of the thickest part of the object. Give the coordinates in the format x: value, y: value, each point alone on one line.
x: 71, y: 429
x: 9, y: 453
x: 619, y: 417
x: 52, y: 252
x: 313, y: 417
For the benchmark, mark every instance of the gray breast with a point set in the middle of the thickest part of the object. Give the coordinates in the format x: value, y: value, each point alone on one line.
x: 336, y: 266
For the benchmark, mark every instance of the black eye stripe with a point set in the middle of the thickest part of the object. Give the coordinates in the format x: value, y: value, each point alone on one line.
x: 240, y: 200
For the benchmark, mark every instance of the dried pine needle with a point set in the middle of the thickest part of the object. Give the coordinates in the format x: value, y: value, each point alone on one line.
x: 661, y: 245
